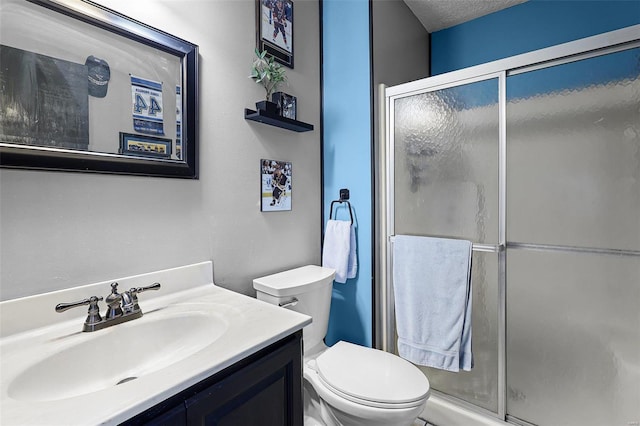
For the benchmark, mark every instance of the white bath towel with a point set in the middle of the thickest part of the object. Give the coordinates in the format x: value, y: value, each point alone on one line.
x: 432, y: 291
x: 339, y: 249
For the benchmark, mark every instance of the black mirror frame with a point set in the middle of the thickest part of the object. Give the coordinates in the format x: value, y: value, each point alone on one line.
x: 29, y: 157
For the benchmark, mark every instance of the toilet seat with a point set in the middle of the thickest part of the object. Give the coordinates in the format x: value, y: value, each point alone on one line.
x: 371, y: 377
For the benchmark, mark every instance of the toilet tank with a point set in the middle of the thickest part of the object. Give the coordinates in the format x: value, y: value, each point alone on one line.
x: 311, y: 286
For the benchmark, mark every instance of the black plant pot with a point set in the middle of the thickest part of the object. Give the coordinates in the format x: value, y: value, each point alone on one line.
x: 268, y: 107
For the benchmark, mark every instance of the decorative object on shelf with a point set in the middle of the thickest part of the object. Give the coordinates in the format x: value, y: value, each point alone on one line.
x: 268, y: 107
x: 275, y: 186
x: 267, y: 72
x: 274, y: 29
x: 144, y: 146
x: 270, y: 75
x: 286, y: 104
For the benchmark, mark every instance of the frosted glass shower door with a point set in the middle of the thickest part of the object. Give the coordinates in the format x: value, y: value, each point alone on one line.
x: 536, y: 160
x: 446, y: 163
x: 573, y: 243
x: 446, y: 185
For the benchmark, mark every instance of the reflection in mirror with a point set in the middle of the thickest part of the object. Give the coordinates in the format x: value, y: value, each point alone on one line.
x: 84, y: 88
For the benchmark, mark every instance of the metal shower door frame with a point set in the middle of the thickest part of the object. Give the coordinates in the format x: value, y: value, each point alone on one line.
x: 598, y: 45
x: 387, y: 297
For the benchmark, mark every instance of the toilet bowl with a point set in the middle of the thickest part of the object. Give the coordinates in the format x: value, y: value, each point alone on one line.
x: 346, y: 384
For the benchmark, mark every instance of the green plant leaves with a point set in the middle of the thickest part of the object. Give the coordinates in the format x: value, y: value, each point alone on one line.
x: 266, y: 71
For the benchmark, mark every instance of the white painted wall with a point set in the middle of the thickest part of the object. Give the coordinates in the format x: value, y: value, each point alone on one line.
x: 61, y: 230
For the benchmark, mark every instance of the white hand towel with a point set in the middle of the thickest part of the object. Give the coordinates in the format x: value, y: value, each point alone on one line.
x: 337, y: 247
x: 352, y: 267
x: 432, y: 291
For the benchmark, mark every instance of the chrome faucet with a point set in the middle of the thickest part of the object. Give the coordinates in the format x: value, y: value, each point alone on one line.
x: 121, y: 307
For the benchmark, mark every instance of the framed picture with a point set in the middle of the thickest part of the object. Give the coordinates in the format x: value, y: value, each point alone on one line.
x: 275, y: 185
x: 144, y: 146
x: 274, y: 29
x: 286, y: 104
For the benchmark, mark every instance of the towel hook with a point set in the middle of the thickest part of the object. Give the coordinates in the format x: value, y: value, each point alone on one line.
x: 344, y: 198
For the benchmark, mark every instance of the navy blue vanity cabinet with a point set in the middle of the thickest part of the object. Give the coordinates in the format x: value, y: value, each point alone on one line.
x: 263, y: 389
x: 176, y: 416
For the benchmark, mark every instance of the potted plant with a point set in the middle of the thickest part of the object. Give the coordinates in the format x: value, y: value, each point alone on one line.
x: 270, y: 74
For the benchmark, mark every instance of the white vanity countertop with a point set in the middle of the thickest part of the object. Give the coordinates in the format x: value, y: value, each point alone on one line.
x: 26, y: 340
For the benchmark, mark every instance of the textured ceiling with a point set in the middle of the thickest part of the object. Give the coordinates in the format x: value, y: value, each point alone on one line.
x: 440, y: 14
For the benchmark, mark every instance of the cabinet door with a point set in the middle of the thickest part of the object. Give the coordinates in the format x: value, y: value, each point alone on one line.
x: 176, y: 416
x: 267, y: 392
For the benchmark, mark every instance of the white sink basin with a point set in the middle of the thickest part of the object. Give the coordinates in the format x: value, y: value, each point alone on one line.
x: 90, y: 362
x: 51, y: 373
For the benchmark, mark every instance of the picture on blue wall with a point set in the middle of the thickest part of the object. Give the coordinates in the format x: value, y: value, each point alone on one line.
x: 274, y: 29
x: 275, y: 185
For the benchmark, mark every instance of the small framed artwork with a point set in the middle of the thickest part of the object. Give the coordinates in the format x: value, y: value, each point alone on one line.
x: 144, y: 146
x: 275, y: 185
x: 286, y: 104
x: 274, y: 29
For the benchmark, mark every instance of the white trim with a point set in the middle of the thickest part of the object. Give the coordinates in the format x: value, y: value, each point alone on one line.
x: 502, y: 241
x: 390, y: 325
x: 381, y: 309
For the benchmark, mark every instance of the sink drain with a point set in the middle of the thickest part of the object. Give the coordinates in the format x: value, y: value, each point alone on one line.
x: 128, y: 379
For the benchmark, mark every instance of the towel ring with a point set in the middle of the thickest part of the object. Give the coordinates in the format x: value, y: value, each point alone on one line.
x: 341, y: 201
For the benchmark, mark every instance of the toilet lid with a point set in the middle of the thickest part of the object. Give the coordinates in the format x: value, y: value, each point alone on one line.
x: 371, y: 375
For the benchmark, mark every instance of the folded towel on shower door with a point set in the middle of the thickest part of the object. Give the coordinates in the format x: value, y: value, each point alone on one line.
x: 432, y: 291
x: 339, y: 249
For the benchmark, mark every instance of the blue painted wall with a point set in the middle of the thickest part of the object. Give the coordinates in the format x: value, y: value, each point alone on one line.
x: 529, y: 26
x: 347, y: 155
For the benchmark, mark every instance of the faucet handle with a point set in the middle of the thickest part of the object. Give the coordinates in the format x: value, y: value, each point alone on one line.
x: 130, y: 301
x: 154, y: 286
x: 92, y: 301
x: 93, y: 315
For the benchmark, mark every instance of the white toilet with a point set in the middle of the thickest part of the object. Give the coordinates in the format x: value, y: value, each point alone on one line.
x: 346, y: 384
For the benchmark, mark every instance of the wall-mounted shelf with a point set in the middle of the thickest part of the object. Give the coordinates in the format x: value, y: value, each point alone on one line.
x: 276, y: 120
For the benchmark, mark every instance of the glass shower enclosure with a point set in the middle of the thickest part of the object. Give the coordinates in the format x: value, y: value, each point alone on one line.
x: 536, y: 160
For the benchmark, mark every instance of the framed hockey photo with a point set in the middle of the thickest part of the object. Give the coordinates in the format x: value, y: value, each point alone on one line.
x: 274, y: 29
x: 275, y: 185
x: 286, y: 104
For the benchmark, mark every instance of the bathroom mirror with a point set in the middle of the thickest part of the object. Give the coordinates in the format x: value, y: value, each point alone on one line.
x: 84, y: 88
